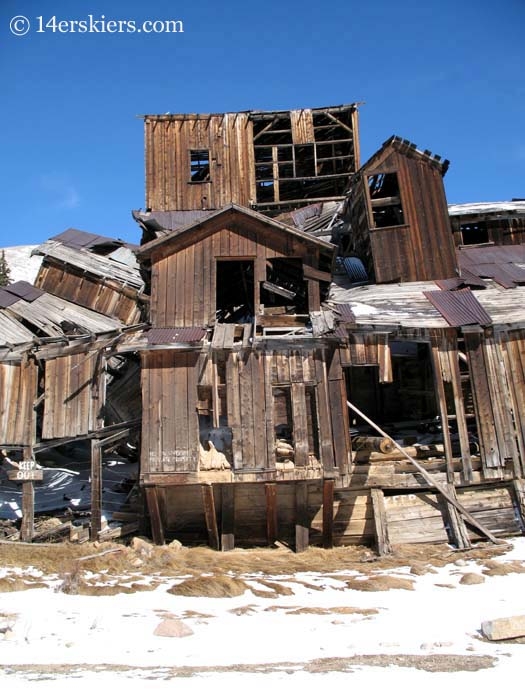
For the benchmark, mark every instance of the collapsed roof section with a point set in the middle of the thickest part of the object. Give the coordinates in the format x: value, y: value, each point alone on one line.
x: 94, y: 271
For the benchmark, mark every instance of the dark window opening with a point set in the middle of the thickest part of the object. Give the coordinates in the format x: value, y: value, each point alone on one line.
x: 304, y: 160
x: 385, y: 199
x: 285, y: 289
x: 474, y: 234
x: 283, y: 424
x: 235, y: 295
x: 312, y: 422
x: 200, y: 166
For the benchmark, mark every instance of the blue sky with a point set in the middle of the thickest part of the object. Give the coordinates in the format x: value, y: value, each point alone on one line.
x: 448, y: 75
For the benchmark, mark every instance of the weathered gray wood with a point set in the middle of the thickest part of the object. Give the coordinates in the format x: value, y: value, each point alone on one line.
x: 456, y: 524
x: 380, y: 522
x: 429, y: 479
x: 28, y: 511
x: 271, y: 512
x: 96, y: 489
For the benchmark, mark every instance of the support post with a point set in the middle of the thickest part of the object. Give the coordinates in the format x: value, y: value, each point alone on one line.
x: 380, y: 523
x: 227, y: 517
x: 152, y: 499
x: 96, y: 489
x: 271, y: 512
x: 328, y: 513
x: 208, y: 501
x: 301, y: 516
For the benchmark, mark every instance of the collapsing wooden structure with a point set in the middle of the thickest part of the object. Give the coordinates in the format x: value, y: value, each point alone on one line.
x: 321, y: 359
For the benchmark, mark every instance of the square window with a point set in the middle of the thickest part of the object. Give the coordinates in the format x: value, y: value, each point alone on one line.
x: 200, y: 166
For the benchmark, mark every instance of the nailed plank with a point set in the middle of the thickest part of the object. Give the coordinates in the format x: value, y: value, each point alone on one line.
x: 152, y: 500
x: 272, y: 529
x: 302, y: 527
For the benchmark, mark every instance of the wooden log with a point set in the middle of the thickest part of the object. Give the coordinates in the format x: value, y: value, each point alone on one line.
x: 208, y: 501
x: 429, y: 479
x: 380, y: 522
x: 373, y: 444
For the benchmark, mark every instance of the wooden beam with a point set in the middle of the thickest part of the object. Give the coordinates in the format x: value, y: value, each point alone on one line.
x: 96, y: 489
x: 430, y: 480
x: 438, y: 380
x: 28, y: 504
x: 380, y: 522
x: 152, y: 500
x: 456, y: 524
x: 302, y: 528
x: 328, y: 513
x: 208, y: 501
x: 272, y: 529
x: 227, y: 517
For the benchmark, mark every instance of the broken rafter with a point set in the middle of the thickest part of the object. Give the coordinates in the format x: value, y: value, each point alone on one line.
x: 430, y: 480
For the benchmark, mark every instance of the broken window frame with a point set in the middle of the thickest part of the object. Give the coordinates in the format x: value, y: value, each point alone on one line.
x: 199, y: 165
x: 389, y: 206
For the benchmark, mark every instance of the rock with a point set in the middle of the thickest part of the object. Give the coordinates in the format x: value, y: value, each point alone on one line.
x: 175, y: 544
x: 142, y: 547
x: 137, y: 562
x: 172, y: 628
x: 471, y: 579
x: 504, y: 628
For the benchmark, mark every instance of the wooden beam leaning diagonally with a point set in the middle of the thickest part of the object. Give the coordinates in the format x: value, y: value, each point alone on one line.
x: 430, y: 479
x: 208, y: 501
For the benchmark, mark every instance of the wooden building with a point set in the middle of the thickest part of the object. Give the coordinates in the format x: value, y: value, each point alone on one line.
x: 398, y: 214
x: 492, y: 223
x: 270, y: 161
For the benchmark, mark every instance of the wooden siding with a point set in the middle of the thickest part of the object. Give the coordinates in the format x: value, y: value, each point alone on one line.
x: 170, y: 435
x: 74, y: 395
x: 422, y: 248
x: 105, y: 296
x: 18, y: 388
x: 227, y: 137
x: 184, y: 282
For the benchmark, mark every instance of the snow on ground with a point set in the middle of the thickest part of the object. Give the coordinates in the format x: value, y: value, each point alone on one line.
x: 256, y: 646
x: 22, y: 265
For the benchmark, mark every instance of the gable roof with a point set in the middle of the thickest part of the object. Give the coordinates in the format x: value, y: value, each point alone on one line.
x: 222, y: 218
x: 405, y: 148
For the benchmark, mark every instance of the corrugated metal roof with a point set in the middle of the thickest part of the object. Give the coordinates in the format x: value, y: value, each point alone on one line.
x: 450, y: 284
x: 24, y: 290
x: 346, y: 314
x: 459, y: 308
x: 498, y: 208
x: 169, y: 220
x: 74, y: 238
x: 7, y: 299
x: 491, y: 254
x: 167, y: 336
x: 355, y: 269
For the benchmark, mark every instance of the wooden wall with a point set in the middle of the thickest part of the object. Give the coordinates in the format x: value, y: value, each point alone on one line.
x: 229, y: 139
x: 105, y: 296
x: 178, y: 386
x: 74, y: 395
x: 18, y: 391
x: 420, y: 249
x: 184, y: 282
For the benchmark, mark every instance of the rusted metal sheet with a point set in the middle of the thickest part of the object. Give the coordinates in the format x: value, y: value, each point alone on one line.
x: 166, y: 336
x: 24, y: 290
x: 74, y: 238
x: 7, y: 299
x: 459, y: 308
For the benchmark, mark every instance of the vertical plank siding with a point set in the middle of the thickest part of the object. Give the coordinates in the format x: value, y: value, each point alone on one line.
x: 18, y: 391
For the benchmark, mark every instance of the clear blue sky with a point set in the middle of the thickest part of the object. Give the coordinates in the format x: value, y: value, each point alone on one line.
x: 446, y: 74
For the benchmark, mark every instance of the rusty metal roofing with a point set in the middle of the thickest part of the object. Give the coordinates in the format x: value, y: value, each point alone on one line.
x: 504, y: 264
x: 24, y: 290
x: 459, y: 308
x: 168, y: 336
x: 450, y: 284
x: 6, y: 298
x: 168, y: 220
x: 346, y: 314
x: 74, y: 238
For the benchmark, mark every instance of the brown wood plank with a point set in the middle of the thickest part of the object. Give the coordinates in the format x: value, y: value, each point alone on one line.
x: 227, y: 517
x: 328, y: 513
x: 157, y: 529
x: 302, y: 526
x: 300, y: 425
x: 210, y: 516
x: 272, y: 529
x: 438, y: 379
x: 96, y: 489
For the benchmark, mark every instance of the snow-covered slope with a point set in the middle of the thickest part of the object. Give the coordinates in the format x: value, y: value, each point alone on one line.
x: 22, y: 265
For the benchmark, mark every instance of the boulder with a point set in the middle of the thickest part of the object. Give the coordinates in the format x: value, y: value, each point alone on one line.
x: 471, y: 579
x: 504, y: 628
x: 172, y: 628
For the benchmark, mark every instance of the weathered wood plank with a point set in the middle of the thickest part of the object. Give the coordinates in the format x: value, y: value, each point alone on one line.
x: 380, y: 522
x: 210, y: 516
